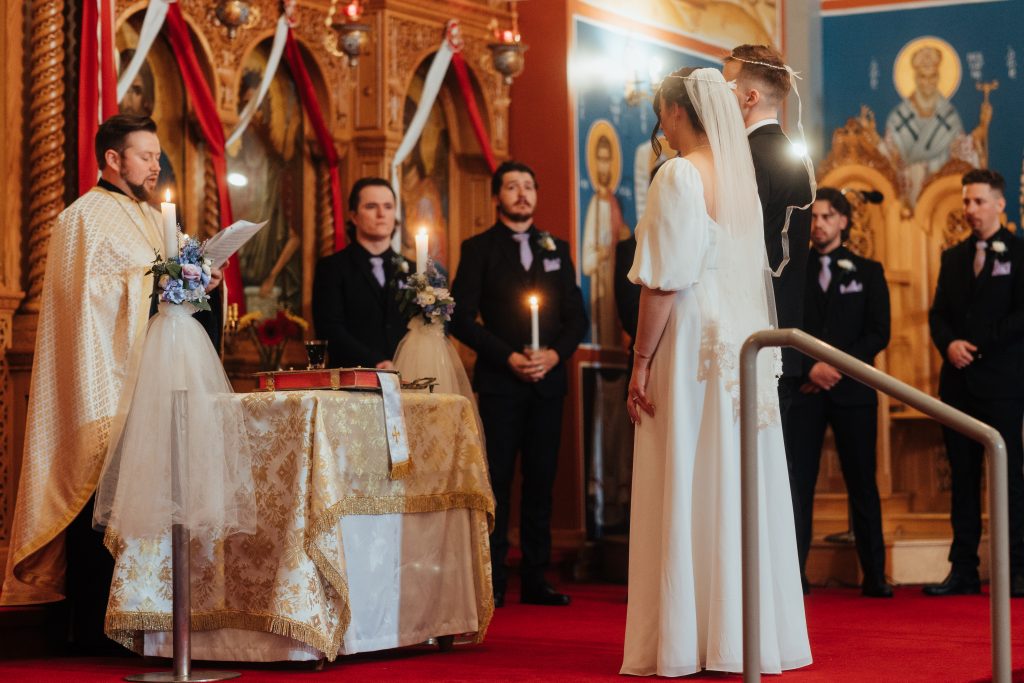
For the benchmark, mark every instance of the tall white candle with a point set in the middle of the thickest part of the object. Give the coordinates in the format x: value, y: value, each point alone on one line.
x: 421, y: 250
x: 534, y: 324
x: 170, y: 216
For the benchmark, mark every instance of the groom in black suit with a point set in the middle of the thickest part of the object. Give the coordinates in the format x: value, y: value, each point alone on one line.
x: 847, y: 306
x: 762, y: 84
x: 354, y: 291
x: 521, y: 390
x: 977, y: 324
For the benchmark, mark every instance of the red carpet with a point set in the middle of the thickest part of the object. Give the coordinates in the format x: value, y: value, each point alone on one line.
x: 909, y: 638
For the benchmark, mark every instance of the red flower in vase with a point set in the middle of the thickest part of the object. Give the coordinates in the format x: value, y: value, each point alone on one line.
x: 289, y: 329
x: 272, y: 332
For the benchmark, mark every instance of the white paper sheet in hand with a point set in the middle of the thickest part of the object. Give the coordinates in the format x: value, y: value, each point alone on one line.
x: 221, y: 246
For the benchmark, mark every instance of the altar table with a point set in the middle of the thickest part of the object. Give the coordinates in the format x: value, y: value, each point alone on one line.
x: 344, y: 558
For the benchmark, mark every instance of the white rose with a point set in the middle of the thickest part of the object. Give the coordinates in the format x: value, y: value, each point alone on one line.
x: 998, y: 247
x: 845, y: 264
x: 164, y: 279
x: 425, y: 299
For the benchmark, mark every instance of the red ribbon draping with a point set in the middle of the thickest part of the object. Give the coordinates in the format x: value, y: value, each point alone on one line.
x: 462, y: 75
x: 309, y: 101
x: 213, y: 131
x: 108, y: 68
x: 98, y: 80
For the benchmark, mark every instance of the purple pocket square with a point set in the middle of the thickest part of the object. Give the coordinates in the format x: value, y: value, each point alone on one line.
x: 851, y: 288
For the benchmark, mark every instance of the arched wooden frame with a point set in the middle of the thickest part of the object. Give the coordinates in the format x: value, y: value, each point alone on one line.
x: 468, y: 174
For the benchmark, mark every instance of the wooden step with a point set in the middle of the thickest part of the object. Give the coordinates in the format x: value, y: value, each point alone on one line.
x: 908, y: 560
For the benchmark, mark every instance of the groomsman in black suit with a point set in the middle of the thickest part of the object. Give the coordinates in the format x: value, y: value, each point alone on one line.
x: 977, y: 324
x: 847, y: 306
x: 521, y: 391
x: 354, y: 291
x: 762, y: 84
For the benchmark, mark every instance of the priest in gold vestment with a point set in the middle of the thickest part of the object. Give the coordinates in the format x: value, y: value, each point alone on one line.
x: 95, y: 302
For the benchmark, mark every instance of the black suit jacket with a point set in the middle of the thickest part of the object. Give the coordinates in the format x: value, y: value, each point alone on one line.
x: 627, y: 295
x: 492, y: 284
x: 360, y: 320
x: 987, y: 311
x: 782, y: 182
x: 853, y: 316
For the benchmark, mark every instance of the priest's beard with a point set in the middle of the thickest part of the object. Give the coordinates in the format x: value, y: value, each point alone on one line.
x: 138, y: 191
x: 513, y: 216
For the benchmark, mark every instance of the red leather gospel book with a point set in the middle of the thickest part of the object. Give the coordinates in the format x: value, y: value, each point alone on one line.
x: 359, y: 379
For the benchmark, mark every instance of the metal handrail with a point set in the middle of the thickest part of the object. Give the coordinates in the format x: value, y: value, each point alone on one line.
x: 995, y: 451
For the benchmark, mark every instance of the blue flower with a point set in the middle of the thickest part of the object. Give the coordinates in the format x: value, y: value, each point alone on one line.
x: 174, y: 292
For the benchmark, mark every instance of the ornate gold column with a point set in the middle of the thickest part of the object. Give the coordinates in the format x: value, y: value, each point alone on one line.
x: 46, y: 138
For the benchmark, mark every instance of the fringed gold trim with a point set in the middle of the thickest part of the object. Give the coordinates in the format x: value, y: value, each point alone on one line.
x: 127, y: 628
x: 401, y: 470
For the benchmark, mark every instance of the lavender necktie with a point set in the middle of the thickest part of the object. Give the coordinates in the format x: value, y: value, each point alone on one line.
x: 979, y: 256
x: 377, y: 265
x: 525, y: 253
x: 825, y: 276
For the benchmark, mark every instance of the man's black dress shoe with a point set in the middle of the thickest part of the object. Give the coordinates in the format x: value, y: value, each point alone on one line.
x: 876, y: 589
x: 499, y: 598
x: 955, y: 584
x: 805, y: 584
x: 1017, y: 586
x: 543, y: 594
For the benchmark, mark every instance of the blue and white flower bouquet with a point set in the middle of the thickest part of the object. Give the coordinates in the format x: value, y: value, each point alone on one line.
x: 426, y: 294
x: 183, y: 279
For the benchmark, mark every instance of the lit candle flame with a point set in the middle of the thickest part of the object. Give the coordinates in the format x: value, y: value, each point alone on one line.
x: 533, y: 302
x: 422, y: 232
x: 167, y: 195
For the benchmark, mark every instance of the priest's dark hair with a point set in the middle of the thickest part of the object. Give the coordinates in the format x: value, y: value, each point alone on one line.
x: 113, y: 134
x: 839, y: 203
x: 985, y: 176
x: 673, y: 91
x: 510, y: 166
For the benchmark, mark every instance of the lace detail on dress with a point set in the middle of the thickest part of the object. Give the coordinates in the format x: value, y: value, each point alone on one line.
x: 719, y: 361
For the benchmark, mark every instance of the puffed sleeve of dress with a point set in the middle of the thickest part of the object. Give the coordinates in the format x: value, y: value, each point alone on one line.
x: 672, y: 237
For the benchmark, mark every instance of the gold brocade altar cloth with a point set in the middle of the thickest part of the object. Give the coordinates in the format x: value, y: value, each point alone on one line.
x: 319, y: 457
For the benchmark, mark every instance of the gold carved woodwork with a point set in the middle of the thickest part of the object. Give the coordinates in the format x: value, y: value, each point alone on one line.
x: 46, y: 139
x: 412, y: 40
x: 324, y: 211
x: 8, y: 304
x: 861, y: 240
x: 858, y: 143
x: 956, y: 229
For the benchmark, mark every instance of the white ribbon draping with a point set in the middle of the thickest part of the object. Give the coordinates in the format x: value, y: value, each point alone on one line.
x: 151, y: 25
x: 431, y: 86
x: 276, y: 50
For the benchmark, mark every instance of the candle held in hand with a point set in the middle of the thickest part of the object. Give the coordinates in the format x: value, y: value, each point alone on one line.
x: 534, y: 323
x: 421, y: 250
x: 170, y: 216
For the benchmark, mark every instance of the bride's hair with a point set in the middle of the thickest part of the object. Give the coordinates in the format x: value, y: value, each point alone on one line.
x: 673, y: 91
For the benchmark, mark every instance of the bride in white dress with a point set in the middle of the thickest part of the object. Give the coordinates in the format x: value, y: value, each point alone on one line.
x: 701, y: 260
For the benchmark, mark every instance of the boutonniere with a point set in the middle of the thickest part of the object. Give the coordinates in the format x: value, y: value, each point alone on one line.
x: 846, y: 264
x: 546, y: 241
x: 400, y: 263
x: 999, y: 247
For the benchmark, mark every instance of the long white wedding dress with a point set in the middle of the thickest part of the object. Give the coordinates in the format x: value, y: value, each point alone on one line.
x: 685, y: 607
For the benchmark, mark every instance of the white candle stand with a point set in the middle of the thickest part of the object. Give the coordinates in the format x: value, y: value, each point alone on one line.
x: 181, y: 601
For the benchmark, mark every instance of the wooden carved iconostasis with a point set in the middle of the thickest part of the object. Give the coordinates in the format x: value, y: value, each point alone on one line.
x: 277, y: 170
